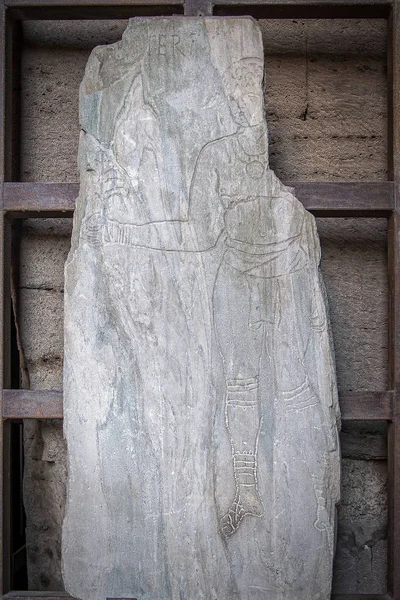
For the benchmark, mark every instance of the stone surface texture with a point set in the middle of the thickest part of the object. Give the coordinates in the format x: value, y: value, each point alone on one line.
x: 343, y: 127
x: 200, y: 401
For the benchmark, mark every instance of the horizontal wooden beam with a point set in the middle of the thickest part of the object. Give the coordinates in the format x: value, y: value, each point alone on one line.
x: 306, y: 9
x: 64, y: 596
x: 48, y: 404
x: 326, y: 199
x: 32, y: 404
x: 361, y: 597
x: 322, y: 199
x: 366, y: 406
x: 100, y: 9
x: 39, y: 199
x: 72, y: 3
x: 45, y: 10
x: 330, y: 3
x: 36, y: 596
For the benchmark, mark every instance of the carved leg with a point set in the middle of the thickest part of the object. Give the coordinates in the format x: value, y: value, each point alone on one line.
x: 322, y: 522
x: 243, y: 421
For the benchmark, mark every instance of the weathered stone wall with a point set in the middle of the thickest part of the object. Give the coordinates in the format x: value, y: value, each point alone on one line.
x: 326, y: 102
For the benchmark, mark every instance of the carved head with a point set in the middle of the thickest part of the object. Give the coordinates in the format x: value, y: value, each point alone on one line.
x: 243, y: 87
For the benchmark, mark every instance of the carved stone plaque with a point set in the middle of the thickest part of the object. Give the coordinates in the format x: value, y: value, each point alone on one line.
x: 200, y: 400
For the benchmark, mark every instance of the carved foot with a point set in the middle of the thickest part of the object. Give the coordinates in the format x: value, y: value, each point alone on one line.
x: 247, y: 502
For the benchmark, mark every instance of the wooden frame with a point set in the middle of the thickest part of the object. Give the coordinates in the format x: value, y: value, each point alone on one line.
x: 323, y: 199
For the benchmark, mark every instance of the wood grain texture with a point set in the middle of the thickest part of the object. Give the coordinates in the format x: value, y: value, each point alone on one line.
x: 39, y: 199
x: 83, y: 9
x: 32, y: 595
x: 304, y: 10
x: 7, y: 170
x: 361, y: 597
x: 366, y: 406
x: 394, y: 308
x: 394, y: 428
x: 91, y: 9
x: 3, y: 584
x: 32, y: 404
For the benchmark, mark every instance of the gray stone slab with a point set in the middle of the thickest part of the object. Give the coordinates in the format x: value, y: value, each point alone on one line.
x: 201, y: 409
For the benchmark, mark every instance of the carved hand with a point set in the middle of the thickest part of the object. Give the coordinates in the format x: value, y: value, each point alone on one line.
x: 231, y: 201
x: 92, y: 230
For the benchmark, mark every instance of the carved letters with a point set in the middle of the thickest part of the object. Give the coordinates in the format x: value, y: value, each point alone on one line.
x: 201, y: 406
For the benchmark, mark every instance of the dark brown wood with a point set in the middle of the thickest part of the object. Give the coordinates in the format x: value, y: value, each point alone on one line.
x: 346, y: 199
x: 83, y: 9
x: 304, y: 10
x: 394, y: 310
x: 390, y: 99
x: 366, y: 406
x: 6, y: 516
x: 394, y: 426
x: 39, y: 199
x: 20, y: 595
x: 322, y: 199
x: 12, y: 47
x: 313, y: 3
x: 120, y: 9
x: 72, y: 3
x: 361, y: 597
x: 393, y: 60
x: 394, y: 501
x: 6, y: 378
x: 12, y: 106
x: 92, y: 9
x: 6, y: 170
x: 32, y: 404
x: 47, y: 404
x: 2, y: 162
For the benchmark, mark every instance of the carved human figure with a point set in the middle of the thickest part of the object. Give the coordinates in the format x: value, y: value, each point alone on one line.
x: 267, y: 259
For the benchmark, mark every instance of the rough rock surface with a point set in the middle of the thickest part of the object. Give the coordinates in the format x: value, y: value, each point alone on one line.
x: 318, y: 151
x: 200, y: 401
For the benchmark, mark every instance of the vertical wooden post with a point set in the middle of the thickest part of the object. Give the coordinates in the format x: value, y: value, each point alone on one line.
x: 394, y: 425
x: 11, y: 42
x: 394, y: 303
x: 3, y: 558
